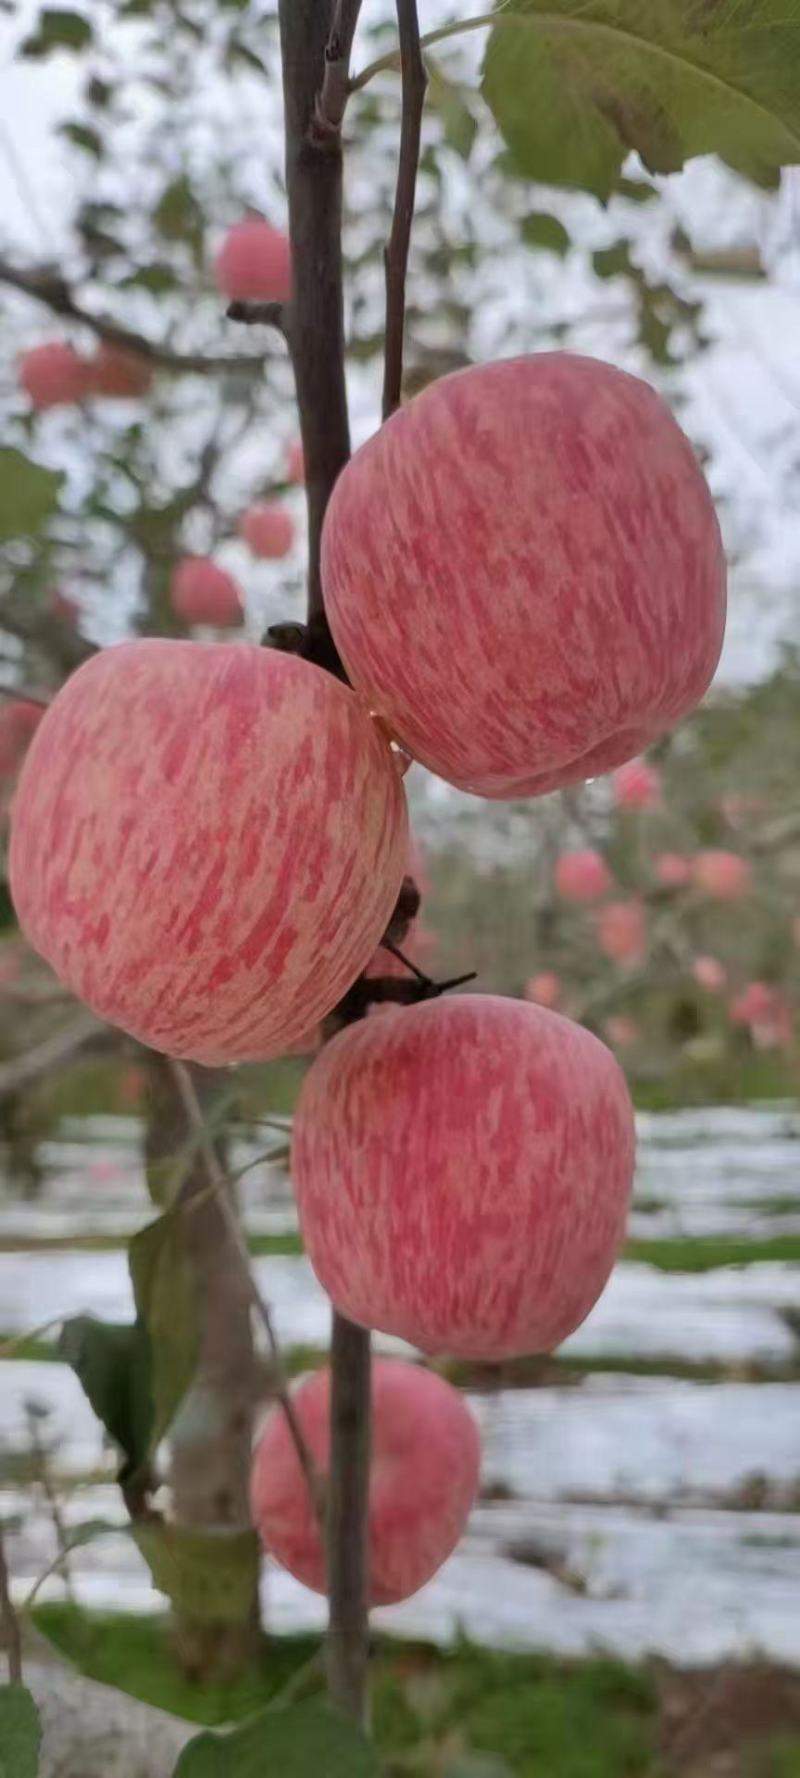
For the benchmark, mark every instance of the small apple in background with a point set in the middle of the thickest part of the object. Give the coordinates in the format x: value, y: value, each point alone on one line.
x: 723, y: 875
x: 19, y: 720
x: 66, y: 609
x: 546, y: 608
x: 582, y: 876
x: 423, y: 1479
x: 207, y: 843
x: 766, y: 1014
x: 673, y: 869
x: 268, y: 530
x: 118, y: 373
x: 621, y: 1030
x: 544, y: 989
x: 622, y: 930
x: 637, y: 785
x: 254, y: 263
x: 54, y: 375
x: 462, y: 1170
x: 203, y: 593
x: 709, y: 973
x: 295, y: 464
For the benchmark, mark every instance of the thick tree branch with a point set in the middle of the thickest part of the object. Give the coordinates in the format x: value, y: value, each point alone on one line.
x: 415, y: 81
x: 332, y: 98
x: 348, y: 1499
x: 46, y: 286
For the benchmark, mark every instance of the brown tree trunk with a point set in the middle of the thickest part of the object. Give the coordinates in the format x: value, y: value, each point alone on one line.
x: 212, y: 1436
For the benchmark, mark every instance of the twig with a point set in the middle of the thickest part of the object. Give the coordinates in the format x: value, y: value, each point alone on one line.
x: 51, y: 1052
x: 331, y: 101
x: 415, y: 81
x: 392, y: 61
x: 48, y: 287
x: 348, y: 1497
x: 43, y: 1477
x: 218, y: 1183
x: 258, y: 314
x: 26, y: 695
x: 12, y: 1635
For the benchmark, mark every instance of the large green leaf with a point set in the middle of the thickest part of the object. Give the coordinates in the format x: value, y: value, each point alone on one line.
x: 166, y: 1302
x: 575, y: 84
x: 20, y: 1733
x: 28, y: 494
x: 302, y: 1742
x: 112, y: 1363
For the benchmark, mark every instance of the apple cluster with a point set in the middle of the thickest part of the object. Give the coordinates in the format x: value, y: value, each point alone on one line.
x: 524, y: 576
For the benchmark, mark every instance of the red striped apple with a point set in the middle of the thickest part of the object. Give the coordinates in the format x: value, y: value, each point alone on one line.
x: 53, y: 375
x: 462, y: 1171
x: 524, y: 573
x: 203, y: 593
x: 637, y: 785
x: 622, y: 930
x: 267, y: 529
x: 423, y: 1479
x: 582, y: 876
x: 254, y: 263
x: 723, y: 875
x: 207, y: 843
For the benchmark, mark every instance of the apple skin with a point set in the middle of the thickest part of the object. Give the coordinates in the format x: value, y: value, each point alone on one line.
x: 207, y: 843
x: 201, y: 592
x: 622, y: 930
x: 268, y: 530
x: 582, y: 876
x: 254, y: 263
x: 423, y: 1479
x: 524, y: 573
x: 723, y: 875
x: 53, y: 375
x: 462, y: 1170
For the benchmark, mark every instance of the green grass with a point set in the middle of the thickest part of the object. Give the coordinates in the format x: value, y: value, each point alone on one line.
x: 705, y: 1253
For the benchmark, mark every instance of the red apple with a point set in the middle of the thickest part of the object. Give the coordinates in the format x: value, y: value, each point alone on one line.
x: 709, y: 973
x: 203, y: 593
x: 622, y: 930
x: 621, y: 1031
x: 637, y: 785
x: 462, y: 1171
x: 544, y: 989
x: 254, y: 263
x: 423, y: 1479
x: 723, y: 875
x: 268, y: 530
x: 766, y: 1013
x: 673, y: 869
x: 207, y: 843
x: 582, y: 876
x: 524, y: 573
x: 115, y: 372
x: 53, y: 375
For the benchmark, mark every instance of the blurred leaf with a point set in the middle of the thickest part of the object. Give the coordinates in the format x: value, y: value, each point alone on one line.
x: 112, y: 1363
x: 166, y: 1301
x: 637, y: 191
x: 57, y: 30
x: 458, y: 123
x: 613, y: 262
x: 574, y: 85
x: 20, y: 1733
x: 83, y: 137
x: 158, y: 278
x: 241, y: 52
x: 545, y: 232
x: 477, y: 1765
x: 728, y: 262
x: 178, y: 216
x: 99, y: 92
x: 28, y: 494
x: 304, y: 1741
x: 210, y: 1577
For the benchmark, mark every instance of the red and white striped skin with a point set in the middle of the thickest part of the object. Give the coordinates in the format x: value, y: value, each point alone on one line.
x: 201, y: 592
x: 207, y: 843
x: 423, y: 1479
x: 582, y: 876
x: 462, y: 1171
x: 254, y: 263
x: 523, y: 572
x: 725, y: 876
x: 53, y: 375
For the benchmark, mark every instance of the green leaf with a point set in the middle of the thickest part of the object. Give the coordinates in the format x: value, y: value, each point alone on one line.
x: 178, y: 215
x: 545, y: 232
x: 210, y: 1577
x: 112, y: 1364
x: 20, y: 1733
x: 576, y: 84
x: 28, y: 495
x: 57, y: 30
x: 166, y: 1302
x: 459, y: 126
x: 637, y: 191
x: 303, y: 1741
x: 158, y: 278
x: 83, y: 137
